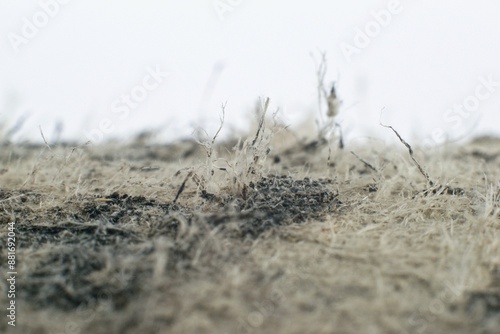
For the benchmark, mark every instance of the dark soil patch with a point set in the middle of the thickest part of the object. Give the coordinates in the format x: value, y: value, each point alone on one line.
x: 87, y: 234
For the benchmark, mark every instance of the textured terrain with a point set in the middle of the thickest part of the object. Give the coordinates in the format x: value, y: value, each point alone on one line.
x: 269, y: 235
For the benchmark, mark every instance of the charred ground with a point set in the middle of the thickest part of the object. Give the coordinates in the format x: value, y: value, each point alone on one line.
x: 309, y: 240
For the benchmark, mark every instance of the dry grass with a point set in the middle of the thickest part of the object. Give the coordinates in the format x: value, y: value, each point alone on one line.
x: 298, y: 239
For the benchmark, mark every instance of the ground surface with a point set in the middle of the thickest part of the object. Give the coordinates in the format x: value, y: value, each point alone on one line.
x: 181, y: 238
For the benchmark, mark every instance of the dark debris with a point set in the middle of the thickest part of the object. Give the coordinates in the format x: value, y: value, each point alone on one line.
x: 276, y: 200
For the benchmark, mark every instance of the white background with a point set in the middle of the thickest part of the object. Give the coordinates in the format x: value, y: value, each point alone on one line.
x: 428, y: 58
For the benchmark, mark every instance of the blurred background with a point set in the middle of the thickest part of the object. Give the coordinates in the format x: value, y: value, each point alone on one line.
x: 94, y: 70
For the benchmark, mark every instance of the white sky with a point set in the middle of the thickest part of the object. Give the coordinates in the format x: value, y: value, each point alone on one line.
x: 428, y: 58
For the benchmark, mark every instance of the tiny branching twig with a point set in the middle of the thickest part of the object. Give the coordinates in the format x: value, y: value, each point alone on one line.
x: 218, y: 130
x: 410, y: 150
x: 367, y: 164
x: 321, y: 69
x: 261, y: 121
x: 208, y: 144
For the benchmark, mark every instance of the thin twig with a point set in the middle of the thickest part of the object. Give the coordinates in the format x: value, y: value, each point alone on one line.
x: 43, y: 137
x: 367, y: 164
x: 321, y: 69
x: 218, y: 130
x: 410, y: 150
x: 181, y: 188
x: 261, y: 121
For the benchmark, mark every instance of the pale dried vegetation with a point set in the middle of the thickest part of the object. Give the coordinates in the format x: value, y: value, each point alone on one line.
x: 270, y: 234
